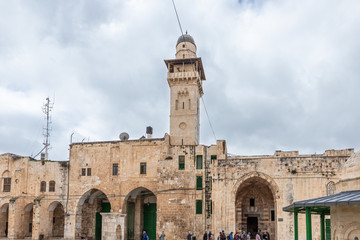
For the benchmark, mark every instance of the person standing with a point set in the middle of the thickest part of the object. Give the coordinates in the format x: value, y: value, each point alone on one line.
x: 145, y: 236
x: 231, y: 237
x: 162, y: 236
x: 258, y: 235
x: 189, y: 236
x: 210, y: 235
x: 205, y: 237
x: 248, y: 237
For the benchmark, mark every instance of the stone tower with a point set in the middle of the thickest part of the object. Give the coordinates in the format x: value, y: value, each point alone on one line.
x: 185, y: 76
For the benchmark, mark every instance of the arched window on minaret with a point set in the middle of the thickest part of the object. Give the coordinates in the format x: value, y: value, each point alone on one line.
x: 189, y: 104
x: 176, y: 104
x: 183, y: 105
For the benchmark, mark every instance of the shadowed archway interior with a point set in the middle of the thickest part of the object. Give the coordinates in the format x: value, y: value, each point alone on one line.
x: 88, y: 217
x: 255, y: 207
x: 140, y: 213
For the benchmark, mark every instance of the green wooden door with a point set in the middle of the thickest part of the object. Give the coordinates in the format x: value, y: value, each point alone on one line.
x: 98, y: 222
x: 130, y: 215
x: 150, y: 220
x: 328, y: 229
x: 105, y: 207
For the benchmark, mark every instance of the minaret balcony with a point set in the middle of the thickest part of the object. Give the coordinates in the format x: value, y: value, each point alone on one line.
x: 183, y: 75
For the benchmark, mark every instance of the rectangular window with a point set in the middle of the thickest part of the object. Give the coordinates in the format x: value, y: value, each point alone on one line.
x: 210, y: 183
x: 211, y: 207
x: 181, y: 162
x: 89, y: 171
x: 7, y: 185
x: 272, y: 213
x: 252, y: 202
x: 115, y: 169
x: 52, y: 186
x: 143, y: 168
x: 43, y: 186
x: 83, y: 172
x: 198, y: 206
x: 199, y: 182
x: 199, y: 162
x: 213, y: 157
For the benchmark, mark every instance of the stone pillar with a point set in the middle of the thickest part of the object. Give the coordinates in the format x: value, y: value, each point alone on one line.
x: 12, y: 220
x: 110, y: 222
x: 138, y: 226
x: 70, y: 226
x: 36, y: 220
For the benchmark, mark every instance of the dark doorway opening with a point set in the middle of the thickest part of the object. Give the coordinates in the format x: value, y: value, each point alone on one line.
x: 252, y: 226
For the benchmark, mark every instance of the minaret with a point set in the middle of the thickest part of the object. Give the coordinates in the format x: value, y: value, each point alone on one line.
x: 185, y: 76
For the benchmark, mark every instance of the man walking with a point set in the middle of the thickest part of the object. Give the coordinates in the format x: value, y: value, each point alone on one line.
x: 162, y: 236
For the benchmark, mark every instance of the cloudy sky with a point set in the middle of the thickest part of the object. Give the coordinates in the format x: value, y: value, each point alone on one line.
x: 281, y: 74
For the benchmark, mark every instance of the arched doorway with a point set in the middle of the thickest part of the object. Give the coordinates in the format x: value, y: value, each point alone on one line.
x: 118, y: 233
x: 255, y: 207
x: 57, y: 219
x: 140, y: 213
x: 88, y: 217
x: 28, y: 220
x: 4, y: 220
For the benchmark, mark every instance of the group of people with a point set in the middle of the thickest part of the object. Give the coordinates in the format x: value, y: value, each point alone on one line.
x: 241, y: 235
x: 145, y: 236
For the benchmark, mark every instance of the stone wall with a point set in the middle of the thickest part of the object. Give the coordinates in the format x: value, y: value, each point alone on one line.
x: 290, y: 176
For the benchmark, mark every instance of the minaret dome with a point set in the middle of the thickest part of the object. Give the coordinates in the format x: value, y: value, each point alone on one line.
x: 185, y: 47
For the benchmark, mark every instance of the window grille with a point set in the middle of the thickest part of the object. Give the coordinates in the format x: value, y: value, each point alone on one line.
x: 7, y: 185
x: 52, y: 186
x: 43, y: 186
x: 115, y: 169
x: 143, y: 168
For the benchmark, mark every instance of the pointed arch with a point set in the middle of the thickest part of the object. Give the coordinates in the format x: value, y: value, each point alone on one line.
x: 57, y: 219
x: 88, y: 217
x: 254, y: 196
x: 140, y: 207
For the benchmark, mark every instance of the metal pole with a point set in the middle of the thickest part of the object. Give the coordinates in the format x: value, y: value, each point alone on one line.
x: 296, y: 232
x: 322, y: 226
x: 308, y: 224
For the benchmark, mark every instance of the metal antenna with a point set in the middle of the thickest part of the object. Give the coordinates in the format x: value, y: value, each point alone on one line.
x: 47, y: 108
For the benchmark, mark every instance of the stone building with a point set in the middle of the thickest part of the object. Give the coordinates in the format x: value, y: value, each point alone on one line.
x: 115, y: 189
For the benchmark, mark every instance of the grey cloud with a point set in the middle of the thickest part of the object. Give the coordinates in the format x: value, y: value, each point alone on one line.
x: 280, y: 74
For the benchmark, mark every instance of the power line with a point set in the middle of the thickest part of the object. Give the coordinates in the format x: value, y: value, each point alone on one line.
x: 76, y: 197
x: 212, y: 129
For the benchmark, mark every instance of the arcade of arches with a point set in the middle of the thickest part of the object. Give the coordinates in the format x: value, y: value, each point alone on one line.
x: 255, y: 207
x: 141, y: 213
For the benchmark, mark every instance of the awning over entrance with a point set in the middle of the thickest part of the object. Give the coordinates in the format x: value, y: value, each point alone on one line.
x: 320, y: 206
